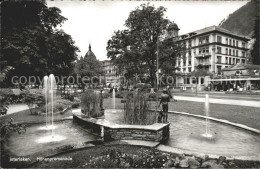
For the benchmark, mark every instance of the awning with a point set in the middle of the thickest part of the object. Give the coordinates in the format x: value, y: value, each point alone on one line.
x: 230, y: 79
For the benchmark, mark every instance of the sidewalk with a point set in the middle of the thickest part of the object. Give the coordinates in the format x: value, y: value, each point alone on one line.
x: 14, y: 108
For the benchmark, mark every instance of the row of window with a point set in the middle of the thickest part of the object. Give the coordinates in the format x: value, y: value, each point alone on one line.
x: 184, y: 62
x: 229, y: 60
x: 203, y: 40
x: 184, y: 70
x: 230, y: 42
x: 230, y: 52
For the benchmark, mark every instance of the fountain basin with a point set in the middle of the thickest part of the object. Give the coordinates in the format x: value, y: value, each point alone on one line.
x: 110, y: 130
x: 37, y: 141
x: 186, y: 133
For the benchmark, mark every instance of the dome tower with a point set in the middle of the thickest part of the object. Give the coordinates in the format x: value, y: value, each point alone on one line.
x: 173, y: 30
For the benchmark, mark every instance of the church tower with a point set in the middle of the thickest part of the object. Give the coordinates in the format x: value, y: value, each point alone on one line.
x: 173, y: 30
x: 90, y: 53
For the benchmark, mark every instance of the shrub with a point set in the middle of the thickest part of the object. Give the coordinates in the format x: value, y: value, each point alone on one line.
x: 56, y: 108
x: 106, y: 95
x: 153, y: 97
x: 137, y: 110
x: 7, y: 97
x: 90, y: 104
x: 59, y: 107
x: 32, y: 99
x: 64, y: 102
x: 10, y: 126
x: 75, y: 105
x: 115, y: 158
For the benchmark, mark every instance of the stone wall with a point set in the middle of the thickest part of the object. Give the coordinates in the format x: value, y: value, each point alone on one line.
x: 109, y: 131
x: 91, y: 126
x: 136, y: 134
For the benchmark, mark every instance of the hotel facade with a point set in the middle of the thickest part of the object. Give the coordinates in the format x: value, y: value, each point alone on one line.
x: 208, y: 50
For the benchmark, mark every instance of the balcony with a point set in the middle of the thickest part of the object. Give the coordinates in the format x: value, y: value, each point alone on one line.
x: 203, y: 55
x: 204, y: 63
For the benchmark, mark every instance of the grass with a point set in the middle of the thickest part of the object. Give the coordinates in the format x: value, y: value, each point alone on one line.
x: 249, y: 116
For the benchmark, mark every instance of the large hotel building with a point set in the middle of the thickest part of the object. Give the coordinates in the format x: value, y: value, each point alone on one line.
x: 210, y: 49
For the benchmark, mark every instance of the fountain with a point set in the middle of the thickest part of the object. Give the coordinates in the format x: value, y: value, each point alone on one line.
x: 206, y: 134
x: 45, y: 88
x: 114, y: 98
x: 50, y: 95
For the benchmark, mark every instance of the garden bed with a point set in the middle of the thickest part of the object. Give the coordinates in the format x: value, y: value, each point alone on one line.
x: 130, y: 156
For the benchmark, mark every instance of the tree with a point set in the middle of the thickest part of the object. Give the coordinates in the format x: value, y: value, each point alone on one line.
x: 134, y: 50
x: 255, y: 52
x: 30, y: 42
x: 88, y: 68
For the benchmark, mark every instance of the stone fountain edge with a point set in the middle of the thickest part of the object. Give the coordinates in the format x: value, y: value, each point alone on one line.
x: 158, y: 132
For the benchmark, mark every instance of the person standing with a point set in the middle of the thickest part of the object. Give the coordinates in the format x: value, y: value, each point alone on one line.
x: 169, y: 92
x: 165, y: 98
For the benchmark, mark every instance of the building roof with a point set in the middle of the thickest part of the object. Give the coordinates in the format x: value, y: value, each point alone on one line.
x: 242, y: 66
x: 90, y: 53
x: 173, y: 26
x: 210, y: 29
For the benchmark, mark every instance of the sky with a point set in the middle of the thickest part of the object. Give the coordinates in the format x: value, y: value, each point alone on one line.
x: 95, y: 21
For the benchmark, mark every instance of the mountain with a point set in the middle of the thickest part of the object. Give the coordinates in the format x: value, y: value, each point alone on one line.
x: 242, y: 20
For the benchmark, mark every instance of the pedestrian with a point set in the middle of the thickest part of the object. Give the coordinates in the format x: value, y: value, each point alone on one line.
x: 165, y: 98
x: 168, y: 91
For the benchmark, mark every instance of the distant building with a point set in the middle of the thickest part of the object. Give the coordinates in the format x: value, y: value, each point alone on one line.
x: 210, y: 49
x: 240, y: 77
x: 89, y: 52
x: 111, y: 73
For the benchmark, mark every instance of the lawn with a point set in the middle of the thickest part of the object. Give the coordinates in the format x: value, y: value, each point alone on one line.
x: 249, y: 116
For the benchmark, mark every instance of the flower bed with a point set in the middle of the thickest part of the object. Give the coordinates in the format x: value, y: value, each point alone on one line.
x: 129, y: 156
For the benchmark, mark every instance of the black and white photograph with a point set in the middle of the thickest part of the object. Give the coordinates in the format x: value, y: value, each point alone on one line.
x: 130, y: 84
